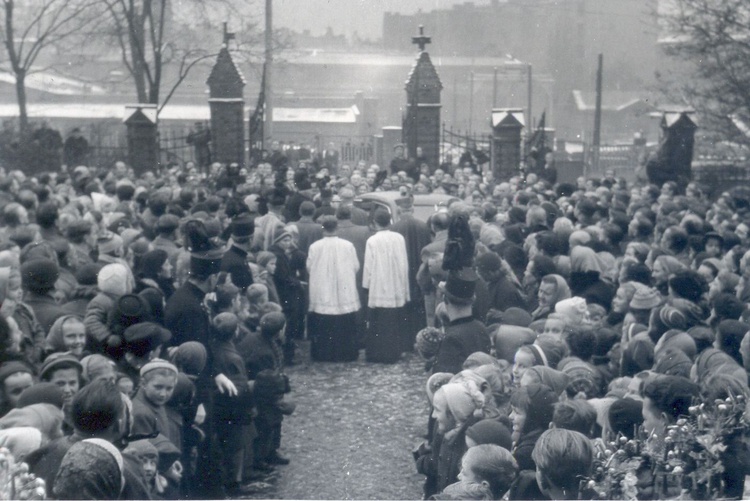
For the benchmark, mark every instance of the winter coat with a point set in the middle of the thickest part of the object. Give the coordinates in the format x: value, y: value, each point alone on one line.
x: 46, y: 310
x: 95, y: 320
x: 463, y: 337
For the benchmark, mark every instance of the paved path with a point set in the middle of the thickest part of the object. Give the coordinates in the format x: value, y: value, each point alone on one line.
x: 352, y: 433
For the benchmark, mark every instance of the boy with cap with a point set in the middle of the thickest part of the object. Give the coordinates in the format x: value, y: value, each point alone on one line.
x: 158, y: 379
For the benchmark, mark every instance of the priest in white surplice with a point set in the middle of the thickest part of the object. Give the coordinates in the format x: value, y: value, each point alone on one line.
x: 386, y: 278
x: 331, y: 322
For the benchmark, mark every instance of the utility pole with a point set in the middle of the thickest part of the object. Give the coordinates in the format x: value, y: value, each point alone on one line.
x: 529, y: 88
x: 598, y: 114
x: 268, y: 91
x: 494, y: 89
x: 471, y: 99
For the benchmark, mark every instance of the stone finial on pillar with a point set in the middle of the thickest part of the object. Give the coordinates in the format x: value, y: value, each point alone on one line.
x: 507, y: 124
x: 142, y: 136
x: 227, y: 104
x: 421, y: 121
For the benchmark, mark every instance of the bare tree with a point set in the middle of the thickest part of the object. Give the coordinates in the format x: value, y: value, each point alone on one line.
x: 710, y: 41
x: 153, y: 38
x: 38, y: 27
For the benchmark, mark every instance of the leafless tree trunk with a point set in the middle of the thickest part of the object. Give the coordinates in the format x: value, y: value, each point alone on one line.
x: 35, y: 27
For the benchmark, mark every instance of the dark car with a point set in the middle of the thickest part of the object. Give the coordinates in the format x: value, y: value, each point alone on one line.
x: 425, y: 205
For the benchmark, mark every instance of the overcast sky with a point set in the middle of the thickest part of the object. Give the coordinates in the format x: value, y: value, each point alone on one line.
x: 347, y: 16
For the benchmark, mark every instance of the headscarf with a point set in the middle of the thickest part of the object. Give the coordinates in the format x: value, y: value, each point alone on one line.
x: 435, y: 382
x: 670, y: 264
x: 557, y: 380
x: 573, y: 309
x: 91, y: 469
x: 464, y: 399
x: 584, y: 259
x: 562, y: 292
x: 712, y: 361
x: 21, y: 441
x: 676, y: 340
x: 47, y: 418
x: 608, y: 263
x: 477, y: 359
x: 54, y: 342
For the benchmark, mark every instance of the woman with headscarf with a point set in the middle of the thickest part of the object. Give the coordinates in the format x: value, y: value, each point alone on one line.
x: 91, y: 469
x: 456, y: 406
x: 585, y: 277
x: 663, y: 268
x: 552, y: 289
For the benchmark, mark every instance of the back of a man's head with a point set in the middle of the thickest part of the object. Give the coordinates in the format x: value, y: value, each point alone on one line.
x: 96, y: 408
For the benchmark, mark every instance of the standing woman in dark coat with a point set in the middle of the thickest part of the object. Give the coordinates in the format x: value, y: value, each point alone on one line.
x: 289, y: 289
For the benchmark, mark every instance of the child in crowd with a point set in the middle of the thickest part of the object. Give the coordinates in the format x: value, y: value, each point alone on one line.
x: 158, y: 379
x: 487, y: 472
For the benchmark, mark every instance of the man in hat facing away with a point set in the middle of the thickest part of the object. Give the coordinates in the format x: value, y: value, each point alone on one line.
x: 188, y: 320
x: 386, y: 278
x: 464, y: 334
x: 235, y: 258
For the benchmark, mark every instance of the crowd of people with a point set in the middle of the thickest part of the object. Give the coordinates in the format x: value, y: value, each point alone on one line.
x: 146, y: 323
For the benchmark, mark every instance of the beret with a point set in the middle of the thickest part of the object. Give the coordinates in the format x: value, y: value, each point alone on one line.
x: 12, y: 367
x: 42, y: 393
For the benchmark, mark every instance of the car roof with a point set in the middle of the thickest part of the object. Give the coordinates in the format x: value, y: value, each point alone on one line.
x: 419, y: 198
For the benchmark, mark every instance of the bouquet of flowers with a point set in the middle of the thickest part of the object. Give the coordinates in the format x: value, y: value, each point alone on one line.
x: 15, y: 480
x: 688, y: 464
